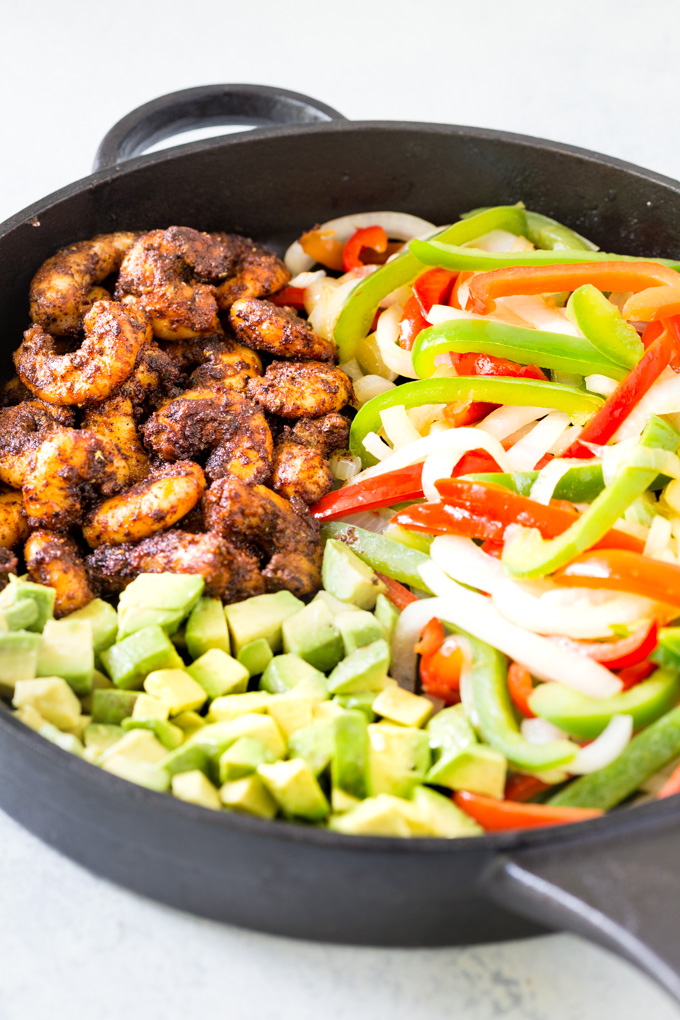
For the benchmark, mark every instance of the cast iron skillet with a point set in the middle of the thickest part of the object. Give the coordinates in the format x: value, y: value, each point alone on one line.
x: 614, y: 879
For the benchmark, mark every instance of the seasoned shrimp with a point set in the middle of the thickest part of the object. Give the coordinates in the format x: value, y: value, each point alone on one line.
x: 257, y: 271
x: 150, y: 506
x: 226, y: 364
x: 223, y: 421
x: 13, y: 525
x: 114, y: 335
x: 230, y: 573
x: 283, y: 531
x: 325, y: 434
x: 64, y: 287
x: 154, y: 378
x: 300, y: 471
x: 296, y: 389
x: 279, y: 331
x: 56, y: 561
x: 8, y: 565
x: 114, y: 420
x: 22, y: 429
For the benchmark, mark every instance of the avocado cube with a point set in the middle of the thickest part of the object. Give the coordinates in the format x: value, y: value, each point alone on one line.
x: 186, y: 758
x: 349, y: 762
x: 324, y: 710
x: 398, y: 759
x: 362, y: 700
x: 112, y: 706
x: 476, y: 768
x: 358, y: 629
x: 217, y: 737
x: 19, y: 650
x: 176, y: 688
x: 387, y: 615
x: 315, y: 744
x: 255, y: 656
x: 195, y: 788
x: 66, y: 741
x: 342, y: 802
x: 400, y: 706
x: 162, y: 600
x: 364, y: 669
x: 29, y: 716
x: 66, y: 651
x: 249, y: 796
x: 261, y: 617
x: 103, y: 620
x: 219, y: 674
x: 382, y: 815
x: 99, y: 737
x: 442, y: 816
x: 129, y: 661
x: 20, y: 615
x: 242, y: 758
x: 148, y: 707
x: 19, y: 590
x: 143, y: 773
x: 348, y: 578
x: 52, y: 697
x: 206, y: 628
x: 335, y: 605
x: 100, y: 682
x: 294, y: 787
x: 140, y: 745
x: 188, y: 722
x: 285, y: 672
x: 291, y: 712
x: 312, y: 635
x: 169, y: 736
x: 231, y: 706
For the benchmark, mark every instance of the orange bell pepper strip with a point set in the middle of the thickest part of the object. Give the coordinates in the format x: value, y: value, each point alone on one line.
x: 323, y: 247
x: 499, y: 815
x: 520, y: 688
x: 552, y: 279
x: 294, y: 297
x: 623, y: 570
x: 431, y: 638
x: 653, y: 303
x: 374, y: 238
x: 671, y: 786
x: 440, y: 672
x: 412, y: 322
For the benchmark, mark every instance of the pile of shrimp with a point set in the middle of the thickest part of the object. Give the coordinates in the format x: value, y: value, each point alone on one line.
x: 166, y: 416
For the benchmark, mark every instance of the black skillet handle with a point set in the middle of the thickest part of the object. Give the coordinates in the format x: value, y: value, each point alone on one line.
x: 622, y: 891
x: 202, y: 107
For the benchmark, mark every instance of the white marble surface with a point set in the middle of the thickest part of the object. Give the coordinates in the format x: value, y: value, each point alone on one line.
x: 604, y: 74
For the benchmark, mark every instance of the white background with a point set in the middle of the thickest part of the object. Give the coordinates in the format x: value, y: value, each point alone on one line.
x: 604, y: 74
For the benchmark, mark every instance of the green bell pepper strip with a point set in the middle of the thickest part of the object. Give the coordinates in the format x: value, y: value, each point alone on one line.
x: 525, y: 346
x: 357, y: 313
x: 647, y: 752
x: 494, y: 389
x: 603, y: 325
x: 585, y: 718
x: 394, y: 559
x: 496, y: 717
x: 667, y: 652
x: 527, y: 555
x: 545, y: 232
x: 580, y: 484
x: 449, y: 256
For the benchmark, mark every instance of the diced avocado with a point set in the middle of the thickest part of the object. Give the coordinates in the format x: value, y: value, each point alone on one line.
x: 291, y: 713
x: 170, y: 736
x: 186, y: 758
x: 256, y: 656
x: 363, y: 700
x: 294, y: 787
x: 20, y: 615
x: 103, y: 620
x: 207, y: 628
x: 342, y: 802
x: 176, y: 688
x: 79, y: 728
x: 188, y: 722
x: 313, y: 636
x: 112, y: 706
x: 179, y: 640
x: 261, y: 617
x: 19, y: 650
x: 219, y: 674
x: 143, y: 773
x: 233, y: 705
x: 449, y: 731
x: 359, y: 629
x: 195, y: 788
x: 250, y: 796
x: 477, y: 768
x: 52, y: 697
x: 388, y: 614
x: 326, y: 710
x: 348, y: 578
x: 66, y: 741
x: 162, y: 600
x: 148, y: 707
x: 285, y: 672
x: 133, y: 658
x: 141, y: 745
x: 242, y: 759
x: 99, y: 737
x: 20, y: 589
x: 314, y: 744
x: 29, y: 716
x: 364, y: 670
x: 382, y: 815
x: 100, y: 682
x: 398, y: 759
x: 349, y: 762
x: 400, y: 706
x: 217, y: 737
x: 335, y: 605
x: 66, y: 651
x: 442, y: 816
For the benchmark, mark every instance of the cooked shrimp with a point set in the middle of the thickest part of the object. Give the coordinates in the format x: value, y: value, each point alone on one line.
x: 257, y: 272
x: 325, y: 434
x: 8, y: 565
x: 279, y: 331
x: 296, y: 389
x: 22, y: 429
x: 230, y: 574
x: 64, y: 288
x: 227, y: 364
x: 13, y: 392
x: 66, y: 471
x: 283, y: 531
x: 153, y: 379
x: 114, y: 420
x: 13, y: 525
x: 300, y: 471
x: 223, y: 421
x: 56, y: 561
x: 114, y: 335
x: 150, y: 506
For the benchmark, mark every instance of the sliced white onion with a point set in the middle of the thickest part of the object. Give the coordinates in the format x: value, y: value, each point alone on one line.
x: 387, y: 338
x: 663, y: 397
x: 548, y: 479
x: 477, y: 615
x: 604, y: 749
x: 352, y: 369
x: 370, y: 386
x: 376, y: 521
x: 525, y: 454
x: 304, y: 280
x: 377, y: 447
x: 297, y: 260
x: 505, y: 420
x: 323, y: 302
x: 568, y: 437
x: 398, y: 427
x: 422, y: 418
x: 466, y: 563
x: 540, y: 731
x: 498, y: 240
x: 409, y: 627
x: 440, y: 464
x: 461, y: 439
x: 344, y: 466
x: 600, y: 384
x: 398, y: 297
x: 658, y: 537
x: 397, y: 225
x: 535, y: 311
x: 615, y: 457
x: 444, y: 313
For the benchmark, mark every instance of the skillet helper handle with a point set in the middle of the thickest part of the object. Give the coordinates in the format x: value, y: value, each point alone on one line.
x: 205, y: 106
x: 622, y: 891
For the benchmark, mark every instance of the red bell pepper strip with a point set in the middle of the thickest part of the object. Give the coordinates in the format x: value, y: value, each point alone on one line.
x: 467, y: 412
x: 365, y: 237
x: 440, y: 672
x: 552, y: 279
x: 497, y: 815
x: 654, y: 303
x: 520, y: 688
x: 412, y: 322
x: 431, y: 638
x: 521, y: 788
x: 294, y: 297
x: 396, y: 592
x: 463, y: 277
x: 605, y: 422
x: 623, y: 570
x: 671, y: 786
x: 621, y: 654
x: 434, y: 288
x: 632, y: 675
x: 371, y: 494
